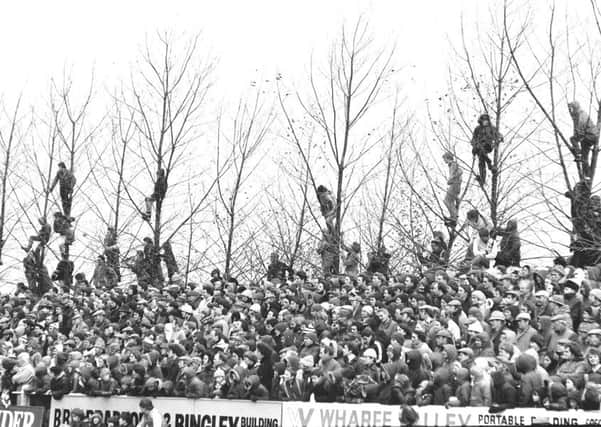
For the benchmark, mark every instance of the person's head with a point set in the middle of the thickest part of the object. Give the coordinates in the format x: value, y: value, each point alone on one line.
x: 574, y: 108
x: 146, y: 405
x: 447, y: 157
x: 473, y: 215
x: 594, y: 337
x: 62, y: 165
x: 484, y: 120
x: 523, y: 320
x: 525, y: 287
x: 559, y: 323
x: 274, y: 257
x: 593, y: 357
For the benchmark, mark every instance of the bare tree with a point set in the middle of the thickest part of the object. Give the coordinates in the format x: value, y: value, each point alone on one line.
x: 338, y: 105
x: 9, y: 138
x: 559, y: 75
x: 242, y: 141
x: 166, y: 99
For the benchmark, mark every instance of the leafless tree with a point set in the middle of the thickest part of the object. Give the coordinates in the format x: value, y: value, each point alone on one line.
x: 166, y: 99
x: 11, y: 137
x: 242, y: 141
x: 557, y: 73
x: 339, y: 102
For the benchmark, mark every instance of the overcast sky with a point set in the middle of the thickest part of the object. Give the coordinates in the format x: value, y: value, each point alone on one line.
x: 39, y: 38
x: 249, y: 38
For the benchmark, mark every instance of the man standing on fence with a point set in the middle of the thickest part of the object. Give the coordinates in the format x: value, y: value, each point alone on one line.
x: 150, y: 416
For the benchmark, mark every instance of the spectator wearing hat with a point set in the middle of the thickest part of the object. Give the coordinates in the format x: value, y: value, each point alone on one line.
x: 593, y: 339
x: 485, y: 139
x: 497, y: 325
x: 560, y: 331
x: 525, y: 331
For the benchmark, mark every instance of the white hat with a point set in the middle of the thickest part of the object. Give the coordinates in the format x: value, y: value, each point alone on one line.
x: 186, y: 308
x: 475, y: 327
x: 370, y: 352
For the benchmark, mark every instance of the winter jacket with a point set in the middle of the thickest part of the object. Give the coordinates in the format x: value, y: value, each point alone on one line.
x: 416, y: 372
x: 509, y: 248
x: 558, y: 397
x: 60, y: 385
x: 571, y: 369
x: 504, y: 392
x: 481, y: 393
x: 256, y: 390
x: 530, y: 381
x: 105, y: 388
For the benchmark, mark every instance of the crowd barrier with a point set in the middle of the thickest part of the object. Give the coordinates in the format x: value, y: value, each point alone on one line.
x: 181, y: 412
x: 21, y: 416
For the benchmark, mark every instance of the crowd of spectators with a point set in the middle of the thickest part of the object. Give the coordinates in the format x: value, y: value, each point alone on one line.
x: 497, y: 337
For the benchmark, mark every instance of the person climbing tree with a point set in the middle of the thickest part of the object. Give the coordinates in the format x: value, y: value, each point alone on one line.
x: 451, y: 199
x: 111, y: 251
x: 64, y: 272
x: 586, y: 136
x: 169, y: 259
x: 484, y: 140
x: 327, y: 205
x: 160, y: 189
x: 42, y: 237
x: 67, y: 182
x: 328, y: 251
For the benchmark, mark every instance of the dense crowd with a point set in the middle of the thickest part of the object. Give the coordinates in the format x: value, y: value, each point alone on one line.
x: 485, y: 331
x: 496, y: 336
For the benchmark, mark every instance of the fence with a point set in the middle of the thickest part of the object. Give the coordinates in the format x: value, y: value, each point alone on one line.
x: 181, y: 412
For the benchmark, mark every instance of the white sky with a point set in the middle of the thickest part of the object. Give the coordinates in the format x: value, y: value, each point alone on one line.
x: 39, y: 39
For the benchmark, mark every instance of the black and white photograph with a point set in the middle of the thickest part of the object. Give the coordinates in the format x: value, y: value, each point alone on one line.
x: 284, y: 213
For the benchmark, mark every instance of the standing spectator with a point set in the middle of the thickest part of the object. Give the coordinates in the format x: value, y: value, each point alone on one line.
x: 169, y: 259
x: 586, y: 135
x: 157, y: 196
x: 111, y: 251
x: 509, y: 247
x: 150, y: 416
x: 328, y: 249
x: 327, y: 206
x: 66, y: 180
x: 277, y: 269
x: 484, y: 140
x: 451, y: 199
x: 352, y: 259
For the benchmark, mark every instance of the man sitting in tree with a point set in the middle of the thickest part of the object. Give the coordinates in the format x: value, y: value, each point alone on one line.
x: 484, y: 140
x: 42, y: 237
